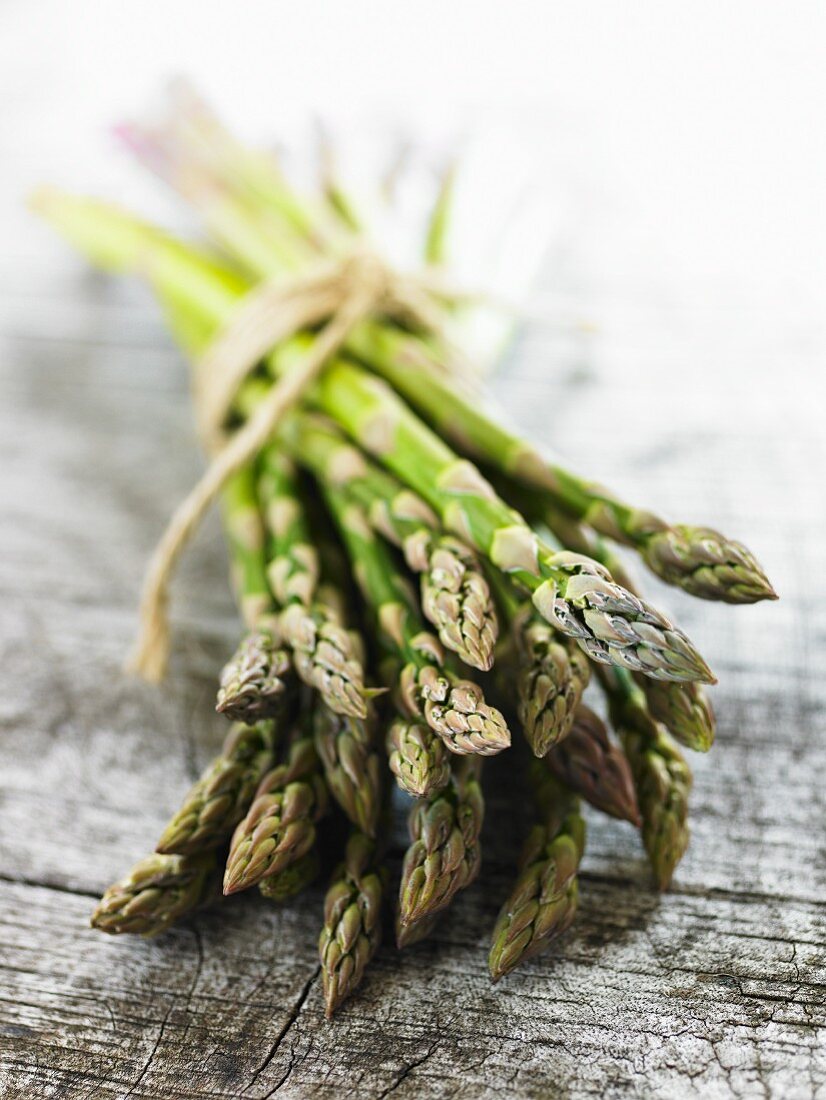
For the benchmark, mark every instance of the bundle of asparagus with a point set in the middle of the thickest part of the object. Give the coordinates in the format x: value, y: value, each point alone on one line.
x: 371, y: 621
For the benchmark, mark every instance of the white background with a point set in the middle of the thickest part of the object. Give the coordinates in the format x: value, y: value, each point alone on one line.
x: 685, y: 142
x: 702, y: 123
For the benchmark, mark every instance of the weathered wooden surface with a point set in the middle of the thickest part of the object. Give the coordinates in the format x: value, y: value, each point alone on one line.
x: 716, y: 990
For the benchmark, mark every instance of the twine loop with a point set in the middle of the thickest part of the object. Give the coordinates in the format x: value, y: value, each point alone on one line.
x: 337, y: 296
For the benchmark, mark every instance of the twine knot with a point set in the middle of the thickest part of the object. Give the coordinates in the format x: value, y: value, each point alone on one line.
x: 363, y: 270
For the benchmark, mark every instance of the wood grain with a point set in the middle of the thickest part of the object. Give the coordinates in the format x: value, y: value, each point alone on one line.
x: 715, y: 990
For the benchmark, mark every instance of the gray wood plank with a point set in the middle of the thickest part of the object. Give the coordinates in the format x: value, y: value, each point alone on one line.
x: 692, y: 996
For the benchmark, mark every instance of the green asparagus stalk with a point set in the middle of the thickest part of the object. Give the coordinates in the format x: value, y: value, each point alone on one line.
x: 245, y: 534
x: 435, y: 246
x: 253, y: 682
x: 684, y: 709
x: 417, y: 757
x: 588, y: 763
x: 550, y: 671
x: 280, y: 825
x: 455, y: 709
x: 222, y: 795
x: 456, y: 597
x: 552, y: 675
x: 352, y: 765
x: 444, y: 856
x: 661, y: 776
x: 699, y: 560
x: 294, y: 879
x: 544, y: 898
x: 352, y: 920
x: 574, y: 593
x: 322, y: 649
x: 415, y: 931
x: 158, y: 891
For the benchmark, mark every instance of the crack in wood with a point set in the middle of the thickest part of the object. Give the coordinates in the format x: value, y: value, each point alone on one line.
x: 408, y: 1069
x: 295, y: 1012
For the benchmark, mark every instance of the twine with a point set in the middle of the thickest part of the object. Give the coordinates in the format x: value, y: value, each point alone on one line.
x: 345, y: 293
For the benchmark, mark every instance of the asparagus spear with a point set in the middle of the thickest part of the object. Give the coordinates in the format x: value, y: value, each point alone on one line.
x: 409, y: 934
x: 352, y: 920
x: 221, y: 797
x: 684, y: 709
x: 588, y: 763
x: 352, y: 765
x: 444, y: 856
x: 417, y: 757
x: 435, y: 245
x: 699, y: 560
x: 322, y: 649
x: 455, y: 595
x: 551, y: 678
x: 159, y: 890
x: 544, y: 898
x: 661, y: 776
x: 455, y: 709
x: 573, y: 593
x: 253, y: 682
x: 294, y: 879
x: 279, y: 827
x: 550, y: 671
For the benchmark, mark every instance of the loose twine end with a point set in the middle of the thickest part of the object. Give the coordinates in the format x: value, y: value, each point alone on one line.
x: 149, y: 657
x: 345, y: 294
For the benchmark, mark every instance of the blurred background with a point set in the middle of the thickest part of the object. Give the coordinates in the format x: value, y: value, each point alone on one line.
x: 687, y: 140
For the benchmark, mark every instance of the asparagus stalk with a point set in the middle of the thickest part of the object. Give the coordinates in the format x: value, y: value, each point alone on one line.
x: 456, y: 597
x: 661, y: 776
x: 222, y: 795
x: 352, y: 765
x: 280, y: 825
x: 323, y: 652
x: 588, y: 763
x: 253, y: 682
x: 352, y: 920
x: 415, y: 931
x: 158, y: 891
x: 444, y: 856
x: 573, y: 593
x: 551, y: 679
x: 544, y: 898
x: 454, y: 708
x: 684, y: 709
x: 550, y: 671
x: 435, y: 245
x: 294, y: 879
x: 417, y: 757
